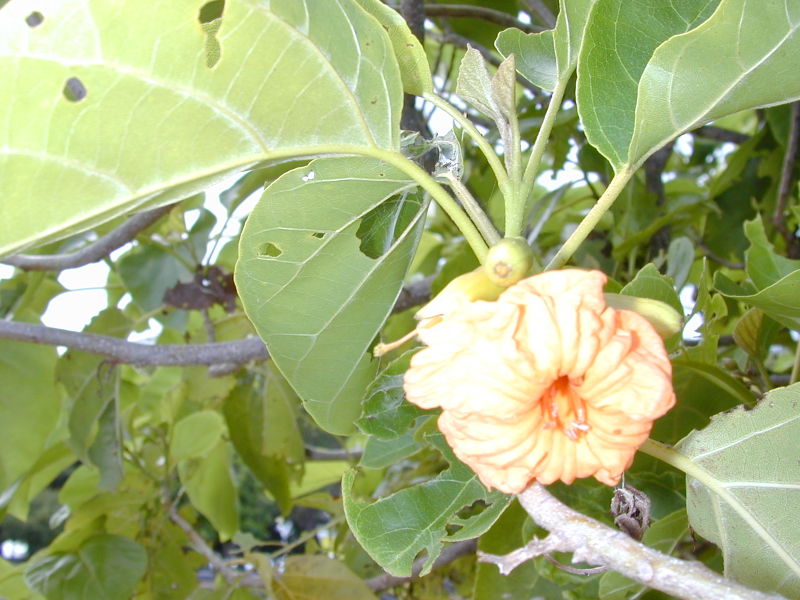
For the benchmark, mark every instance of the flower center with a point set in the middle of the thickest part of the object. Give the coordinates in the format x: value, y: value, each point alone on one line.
x: 565, y: 409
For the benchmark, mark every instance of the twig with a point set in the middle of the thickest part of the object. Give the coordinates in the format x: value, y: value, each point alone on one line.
x: 233, y: 353
x: 448, y: 555
x: 480, y: 12
x: 540, y: 9
x: 595, y: 543
x: 217, y: 563
x: 785, y: 188
x: 95, y: 251
x: 718, y: 134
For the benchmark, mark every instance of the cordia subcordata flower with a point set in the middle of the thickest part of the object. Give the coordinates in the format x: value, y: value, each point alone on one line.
x: 545, y: 383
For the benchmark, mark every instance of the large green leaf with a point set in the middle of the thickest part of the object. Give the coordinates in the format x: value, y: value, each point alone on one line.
x: 30, y: 407
x: 620, y: 39
x: 105, y: 566
x: 209, y: 484
x: 745, y: 495
x: 743, y: 56
x: 395, y: 529
x: 314, y: 577
x: 780, y: 300
x: 318, y: 278
x: 110, y: 107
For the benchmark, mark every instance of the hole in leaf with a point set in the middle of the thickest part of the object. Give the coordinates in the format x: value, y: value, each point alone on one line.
x: 271, y: 250
x: 382, y: 226
x: 74, y: 90
x: 308, y: 176
x: 452, y: 528
x: 34, y: 19
x: 473, y: 509
x: 211, y: 11
x: 210, y: 18
x: 318, y: 235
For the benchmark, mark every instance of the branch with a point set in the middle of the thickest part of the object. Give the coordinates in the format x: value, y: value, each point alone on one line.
x: 785, y: 188
x: 134, y: 353
x: 718, y: 134
x: 448, y: 555
x: 598, y: 544
x: 479, y: 12
x: 544, y: 14
x: 118, y: 350
x: 95, y: 251
x: 217, y: 563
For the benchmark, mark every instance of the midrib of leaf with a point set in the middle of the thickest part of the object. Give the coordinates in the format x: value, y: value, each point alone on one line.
x: 696, y: 471
x: 702, y: 117
x: 746, y: 437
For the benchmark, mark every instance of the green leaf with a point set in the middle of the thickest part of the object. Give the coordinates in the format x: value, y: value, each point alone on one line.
x: 414, y: 69
x: 264, y: 431
x: 680, y: 257
x: 764, y: 267
x: 744, y: 493
x: 779, y: 300
x: 381, y: 453
x: 506, y: 535
x: 123, y: 115
x: 211, y: 489
x: 196, y: 435
x: 664, y: 535
x: 30, y: 406
x: 106, y: 449
x: 620, y: 39
x: 386, y: 413
x: 105, y: 566
x: 695, y: 78
x: 650, y: 283
x: 318, y: 284
x: 314, y: 577
x: 535, y: 55
x: 395, y: 529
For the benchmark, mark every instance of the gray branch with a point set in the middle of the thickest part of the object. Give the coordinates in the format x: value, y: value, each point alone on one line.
x: 489, y: 15
x: 118, y: 350
x: 598, y: 544
x: 544, y: 14
x: 95, y: 251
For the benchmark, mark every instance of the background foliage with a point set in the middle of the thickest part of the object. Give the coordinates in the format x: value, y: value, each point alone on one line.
x: 298, y: 197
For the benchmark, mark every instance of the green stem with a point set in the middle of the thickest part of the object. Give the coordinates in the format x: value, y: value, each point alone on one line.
x: 695, y: 471
x: 590, y: 221
x: 440, y: 195
x: 474, y: 210
x: 795, y: 376
x: 503, y: 181
x: 516, y: 212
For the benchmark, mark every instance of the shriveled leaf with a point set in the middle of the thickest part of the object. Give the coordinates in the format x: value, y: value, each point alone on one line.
x: 123, y: 115
x: 105, y: 566
x: 743, y: 56
x: 745, y: 494
x: 746, y: 332
x: 315, y: 577
x: 209, y: 484
x: 620, y: 39
x: 395, y: 529
x: 318, y: 278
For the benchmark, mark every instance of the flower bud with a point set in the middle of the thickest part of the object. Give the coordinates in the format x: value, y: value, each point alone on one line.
x: 465, y: 288
x: 665, y: 320
x: 508, y: 261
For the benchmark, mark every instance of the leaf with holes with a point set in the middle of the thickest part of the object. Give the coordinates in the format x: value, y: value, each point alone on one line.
x: 318, y: 278
x: 395, y: 529
x: 123, y: 115
x: 745, y: 494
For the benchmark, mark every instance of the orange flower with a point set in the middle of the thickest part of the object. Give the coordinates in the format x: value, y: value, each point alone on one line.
x: 545, y: 383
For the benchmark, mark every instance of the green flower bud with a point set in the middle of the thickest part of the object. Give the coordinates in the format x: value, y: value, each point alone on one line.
x: 665, y: 320
x: 508, y: 261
